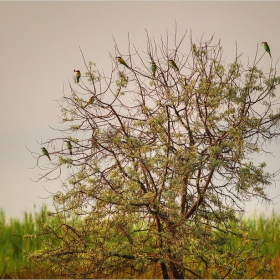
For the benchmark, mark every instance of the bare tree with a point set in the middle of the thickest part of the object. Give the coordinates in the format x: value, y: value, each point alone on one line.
x: 161, y: 163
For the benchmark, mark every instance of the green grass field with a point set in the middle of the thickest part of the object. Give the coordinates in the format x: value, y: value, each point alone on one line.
x: 13, y: 248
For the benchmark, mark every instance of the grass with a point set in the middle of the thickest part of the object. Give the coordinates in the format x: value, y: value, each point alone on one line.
x: 14, y: 264
x: 267, y: 229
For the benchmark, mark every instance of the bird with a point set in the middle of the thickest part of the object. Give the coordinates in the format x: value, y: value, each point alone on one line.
x: 45, y: 152
x: 266, y: 47
x: 78, y: 75
x: 154, y: 68
x: 69, y: 146
x: 91, y: 100
x: 173, y: 64
x: 121, y: 61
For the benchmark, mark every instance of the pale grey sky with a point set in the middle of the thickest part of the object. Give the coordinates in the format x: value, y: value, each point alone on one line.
x: 40, y: 48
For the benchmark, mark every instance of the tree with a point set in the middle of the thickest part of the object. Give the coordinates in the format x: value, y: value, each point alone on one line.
x: 161, y: 164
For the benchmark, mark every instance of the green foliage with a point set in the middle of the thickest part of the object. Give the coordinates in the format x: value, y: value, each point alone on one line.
x: 121, y: 82
x: 157, y: 176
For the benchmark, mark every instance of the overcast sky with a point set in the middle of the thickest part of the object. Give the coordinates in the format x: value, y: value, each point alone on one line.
x: 40, y: 48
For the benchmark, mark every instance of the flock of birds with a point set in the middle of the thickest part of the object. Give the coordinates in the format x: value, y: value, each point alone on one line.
x: 153, y: 67
x: 122, y: 61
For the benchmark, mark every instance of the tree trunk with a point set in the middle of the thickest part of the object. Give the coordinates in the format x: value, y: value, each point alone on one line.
x: 164, y: 270
x: 177, y: 269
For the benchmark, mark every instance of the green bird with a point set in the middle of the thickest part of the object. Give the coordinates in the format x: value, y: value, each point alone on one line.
x: 69, y: 146
x: 91, y: 100
x: 121, y: 61
x: 154, y: 68
x: 45, y: 152
x: 78, y: 75
x: 266, y: 47
x: 173, y: 64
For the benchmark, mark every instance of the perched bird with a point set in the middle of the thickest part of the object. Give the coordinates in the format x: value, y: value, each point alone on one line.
x: 266, y: 47
x: 121, y: 61
x: 91, y: 100
x: 154, y: 68
x: 78, y: 75
x: 45, y: 152
x: 173, y: 64
x: 69, y: 146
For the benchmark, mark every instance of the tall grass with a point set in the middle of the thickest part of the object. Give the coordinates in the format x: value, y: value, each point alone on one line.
x: 14, y: 264
x: 267, y: 229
